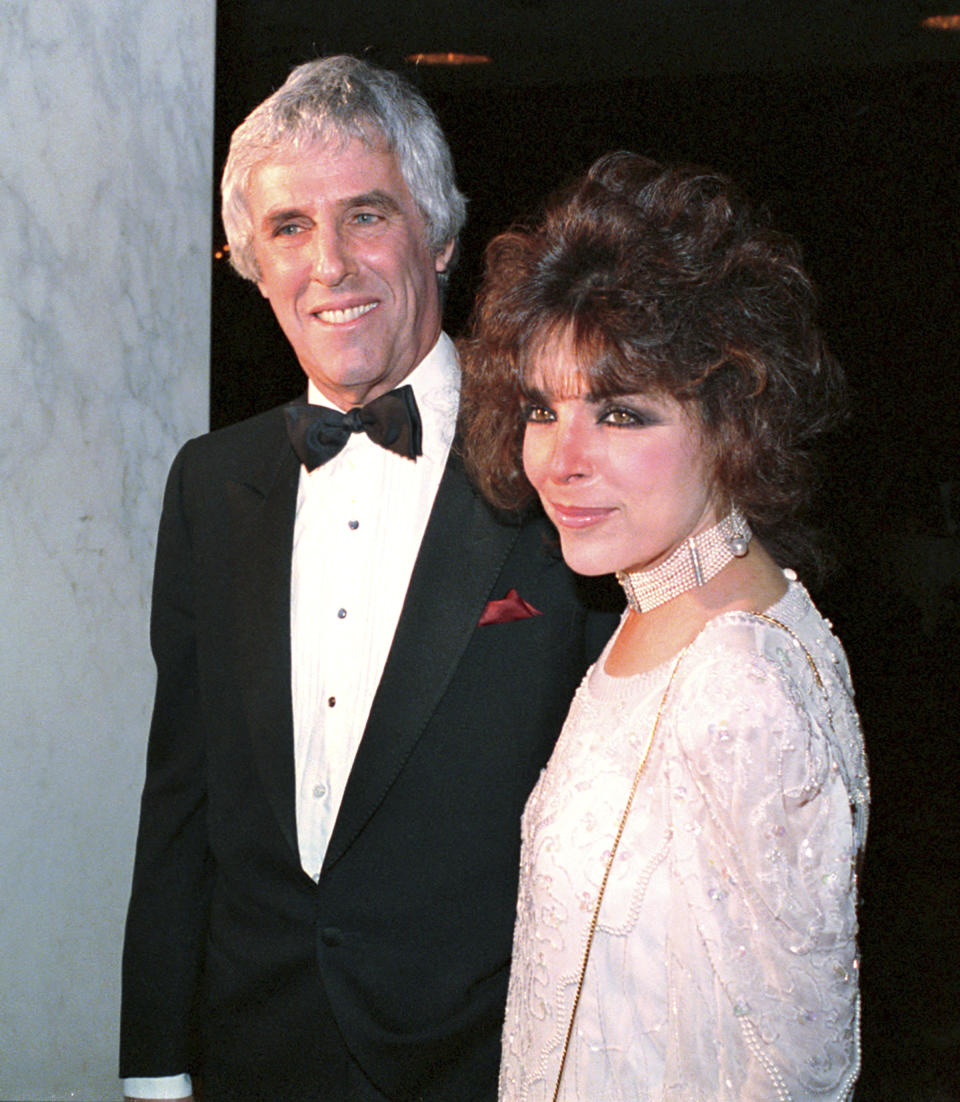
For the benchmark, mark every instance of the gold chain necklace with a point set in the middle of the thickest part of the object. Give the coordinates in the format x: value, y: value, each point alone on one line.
x: 609, y: 865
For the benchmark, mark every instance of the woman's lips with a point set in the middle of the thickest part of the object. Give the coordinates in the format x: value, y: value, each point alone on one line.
x: 578, y: 516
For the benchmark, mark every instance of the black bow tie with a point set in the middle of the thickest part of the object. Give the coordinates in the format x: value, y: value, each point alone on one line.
x: 392, y: 421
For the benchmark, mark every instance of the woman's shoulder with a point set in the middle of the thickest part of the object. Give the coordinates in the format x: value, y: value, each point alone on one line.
x: 790, y: 636
x: 779, y: 677
x: 779, y: 670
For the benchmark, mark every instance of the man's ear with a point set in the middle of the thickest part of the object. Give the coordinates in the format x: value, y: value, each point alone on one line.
x: 263, y: 290
x: 442, y: 259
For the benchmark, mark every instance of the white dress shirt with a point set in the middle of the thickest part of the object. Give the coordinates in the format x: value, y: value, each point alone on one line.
x: 359, y: 523
x: 361, y: 516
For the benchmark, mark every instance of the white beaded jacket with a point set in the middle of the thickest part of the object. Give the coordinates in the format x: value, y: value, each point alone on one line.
x: 724, y: 965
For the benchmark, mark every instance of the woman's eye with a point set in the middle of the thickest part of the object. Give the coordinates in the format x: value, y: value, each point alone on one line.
x: 534, y: 414
x: 623, y: 416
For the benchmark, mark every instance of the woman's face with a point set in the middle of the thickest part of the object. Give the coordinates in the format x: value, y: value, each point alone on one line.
x: 625, y: 480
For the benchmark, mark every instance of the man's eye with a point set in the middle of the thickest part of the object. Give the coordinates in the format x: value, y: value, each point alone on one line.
x: 534, y: 414
x: 366, y: 218
x: 289, y: 229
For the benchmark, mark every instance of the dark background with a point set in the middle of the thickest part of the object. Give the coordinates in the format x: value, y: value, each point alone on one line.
x: 844, y: 119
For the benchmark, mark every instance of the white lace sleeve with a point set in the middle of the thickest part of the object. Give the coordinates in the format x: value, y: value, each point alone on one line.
x: 761, y: 943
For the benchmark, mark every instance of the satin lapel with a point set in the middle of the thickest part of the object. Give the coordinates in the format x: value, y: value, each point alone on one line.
x: 263, y: 510
x: 462, y: 553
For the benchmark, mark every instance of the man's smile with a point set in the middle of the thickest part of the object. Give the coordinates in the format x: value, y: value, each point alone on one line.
x: 342, y: 316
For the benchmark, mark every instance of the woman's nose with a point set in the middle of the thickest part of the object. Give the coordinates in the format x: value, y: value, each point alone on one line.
x: 570, y: 456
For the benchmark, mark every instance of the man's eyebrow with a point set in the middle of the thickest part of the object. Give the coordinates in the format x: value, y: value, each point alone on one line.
x: 378, y: 198
x: 274, y: 218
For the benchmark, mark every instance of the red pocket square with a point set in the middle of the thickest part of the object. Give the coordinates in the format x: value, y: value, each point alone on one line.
x: 512, y: 607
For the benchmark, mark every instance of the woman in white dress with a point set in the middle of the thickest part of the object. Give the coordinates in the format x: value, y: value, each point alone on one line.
x: 647, y: 360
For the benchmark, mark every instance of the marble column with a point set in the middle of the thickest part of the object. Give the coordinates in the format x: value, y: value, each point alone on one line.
x: 106, y: 119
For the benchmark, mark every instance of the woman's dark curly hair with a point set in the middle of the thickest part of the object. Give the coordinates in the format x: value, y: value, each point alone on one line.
x: 669, y: 282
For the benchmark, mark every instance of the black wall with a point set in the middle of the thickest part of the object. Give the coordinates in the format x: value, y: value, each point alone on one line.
x: 862, y: 166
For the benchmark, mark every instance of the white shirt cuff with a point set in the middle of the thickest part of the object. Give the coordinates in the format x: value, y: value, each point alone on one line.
x: 165, y: 1086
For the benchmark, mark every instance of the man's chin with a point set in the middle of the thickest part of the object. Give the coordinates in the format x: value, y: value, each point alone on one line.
x: 351, y: 390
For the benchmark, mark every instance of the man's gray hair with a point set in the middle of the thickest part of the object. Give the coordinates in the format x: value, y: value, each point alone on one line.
x: 346, y: 98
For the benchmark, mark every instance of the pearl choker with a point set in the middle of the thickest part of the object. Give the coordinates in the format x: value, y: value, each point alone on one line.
x: 693, y: 563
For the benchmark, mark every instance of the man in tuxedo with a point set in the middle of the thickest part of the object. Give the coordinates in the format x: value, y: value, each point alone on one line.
x: 361, y: 669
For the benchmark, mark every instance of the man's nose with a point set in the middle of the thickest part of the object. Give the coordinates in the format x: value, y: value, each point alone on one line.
x: 331, y: 257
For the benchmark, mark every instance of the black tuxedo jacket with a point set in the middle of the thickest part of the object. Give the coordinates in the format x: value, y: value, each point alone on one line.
x: 388, y: 977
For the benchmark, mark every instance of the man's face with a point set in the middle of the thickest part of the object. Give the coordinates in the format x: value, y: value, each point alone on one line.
x: 344, y: 261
